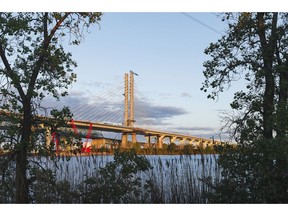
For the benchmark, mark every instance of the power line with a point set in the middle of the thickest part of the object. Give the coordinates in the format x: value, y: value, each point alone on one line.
x: 202, y: 23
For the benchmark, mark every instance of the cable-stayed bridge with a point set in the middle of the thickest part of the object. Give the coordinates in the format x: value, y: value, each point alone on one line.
x: 158, y: 136
x: 112, y: 115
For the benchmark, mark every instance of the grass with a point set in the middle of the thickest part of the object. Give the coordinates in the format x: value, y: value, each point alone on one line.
x: 172, y: 179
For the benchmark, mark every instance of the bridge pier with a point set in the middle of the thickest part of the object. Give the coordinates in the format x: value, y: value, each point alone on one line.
x: 124, y: 140
x: 191, y: 142
x: 173, y: 139
x: 160, y: 141
x: 134, y: 139
x: 148, y: 142
x: 183, y: 141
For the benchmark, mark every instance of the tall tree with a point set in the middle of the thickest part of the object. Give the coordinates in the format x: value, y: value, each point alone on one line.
x: 254, y: 50
x: 34, y: 64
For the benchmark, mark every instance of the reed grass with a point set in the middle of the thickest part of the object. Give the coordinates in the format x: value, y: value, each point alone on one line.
x: 172, y: 179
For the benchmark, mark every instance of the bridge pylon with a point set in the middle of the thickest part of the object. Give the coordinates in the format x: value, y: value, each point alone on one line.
x: 129, y: 108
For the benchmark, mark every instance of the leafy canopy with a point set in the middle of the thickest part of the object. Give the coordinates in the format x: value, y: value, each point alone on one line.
x: 34, y: 64
x: 253, y: 51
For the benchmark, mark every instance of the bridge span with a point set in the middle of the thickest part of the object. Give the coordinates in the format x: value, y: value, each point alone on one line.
x: 159, y: 136
x: 127, y: 128
x: 149, y: 134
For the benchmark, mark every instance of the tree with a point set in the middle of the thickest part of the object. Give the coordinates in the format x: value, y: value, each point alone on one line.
x: 254, y: 48
x: 34, y: 64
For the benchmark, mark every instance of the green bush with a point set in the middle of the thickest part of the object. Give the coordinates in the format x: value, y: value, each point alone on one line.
x: 172, y: 148
x: 188, y: 150
x: 117, y: 182
x: 44, y: 188
x: 254, y: 173
x: 7, y: 180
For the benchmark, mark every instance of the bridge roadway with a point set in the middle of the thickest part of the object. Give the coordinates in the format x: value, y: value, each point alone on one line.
x: 125, y: 130
x: 159, y: 135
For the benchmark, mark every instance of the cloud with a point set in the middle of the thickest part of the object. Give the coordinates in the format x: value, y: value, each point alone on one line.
x: 149, y: 113
x: 185, y: 94
x: 164, y: 95
x: 202, y: 132
x: 195, y: 128
x: 76, y: 93
x: 102, y: 109
x: 92, y: 83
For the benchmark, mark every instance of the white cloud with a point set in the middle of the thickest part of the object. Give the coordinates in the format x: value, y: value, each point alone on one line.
x: 185, y: 94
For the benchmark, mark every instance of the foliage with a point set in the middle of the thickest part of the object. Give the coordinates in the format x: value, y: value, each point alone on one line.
x: 7, y: 183
x: 172, y: 148
x: 253, y: 51
x: 188, y: 150
x: 256, y: 173
x: 34, y: 65
x: 118, y: 180
x: 173, y: 179
x: 46, y: 189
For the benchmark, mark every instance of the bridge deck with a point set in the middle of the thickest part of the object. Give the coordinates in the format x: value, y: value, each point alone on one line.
x: 125, y: 129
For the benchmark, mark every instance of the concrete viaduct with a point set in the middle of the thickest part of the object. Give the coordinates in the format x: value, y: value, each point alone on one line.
x: 159, y: 136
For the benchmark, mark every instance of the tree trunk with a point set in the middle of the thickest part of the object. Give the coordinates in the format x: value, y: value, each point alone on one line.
x: 21, y: 177
x: 282, y: 117
x: 268, y: 49
x: 268, y: 105
x: 22, y: 187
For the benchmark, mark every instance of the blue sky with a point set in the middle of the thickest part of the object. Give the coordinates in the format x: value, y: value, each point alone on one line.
x: 166, y: 50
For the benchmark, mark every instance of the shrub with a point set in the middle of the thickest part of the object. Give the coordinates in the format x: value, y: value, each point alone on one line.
x: 118, y: 181
x: 254, y: 173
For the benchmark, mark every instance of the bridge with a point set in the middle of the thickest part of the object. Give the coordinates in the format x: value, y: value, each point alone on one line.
x: 128, y: 128
x: 149, y: 134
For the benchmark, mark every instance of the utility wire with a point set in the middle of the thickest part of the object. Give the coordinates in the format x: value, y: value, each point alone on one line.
x: 202, y: 23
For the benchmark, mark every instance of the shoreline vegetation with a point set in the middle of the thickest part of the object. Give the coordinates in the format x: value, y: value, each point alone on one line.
x: 168, y: 149
x: 125, y: 177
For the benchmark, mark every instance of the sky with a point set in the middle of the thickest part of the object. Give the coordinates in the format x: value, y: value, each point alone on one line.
x: 166, y: 50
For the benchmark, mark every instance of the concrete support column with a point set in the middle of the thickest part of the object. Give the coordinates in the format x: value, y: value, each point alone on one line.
x: 134, y: 139
x: 160, y: 141
x: 183, y: 141
x: 206, y: 143
x: 201, y: 143
x: 155, y: 143
x: 148, y: 138
x: 190, y: 142
x: 124, y: 140
x: 197, y: 142
x: 173, y: 139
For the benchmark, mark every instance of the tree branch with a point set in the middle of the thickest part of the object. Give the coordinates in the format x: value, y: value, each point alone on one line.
x: 10, y: 73
x: 40, y: 60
